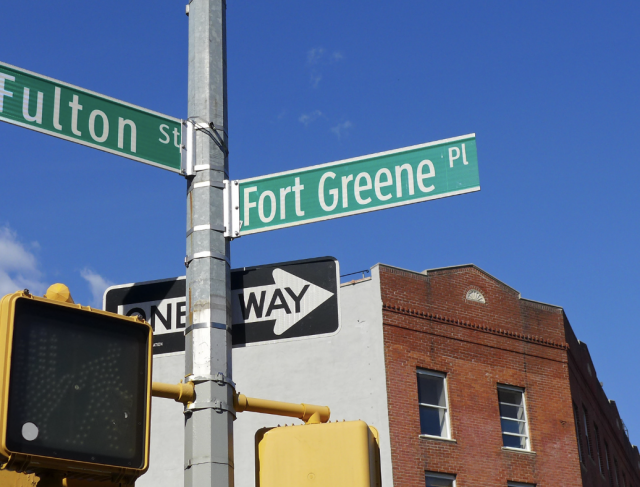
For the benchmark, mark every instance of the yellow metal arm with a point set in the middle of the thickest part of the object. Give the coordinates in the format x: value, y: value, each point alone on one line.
x: 49, y: 479
x: 186, y: 393
x: 309, y: 413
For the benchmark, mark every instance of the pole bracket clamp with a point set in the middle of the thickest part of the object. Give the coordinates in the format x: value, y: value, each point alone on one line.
x: 206, y: 184
x: 201, y: 326
x: 190, y: 127
x: 200, y: 228
x: 205, y: 255
x: 218, y: 377
x: 218, y: 405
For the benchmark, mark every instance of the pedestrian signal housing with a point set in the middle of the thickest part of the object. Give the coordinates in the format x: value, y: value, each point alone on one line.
x: 75, y: 388
x: 342, y: 454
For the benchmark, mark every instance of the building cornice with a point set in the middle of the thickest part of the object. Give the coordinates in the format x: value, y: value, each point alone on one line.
x: 394, y: 308
x: 426, y: 275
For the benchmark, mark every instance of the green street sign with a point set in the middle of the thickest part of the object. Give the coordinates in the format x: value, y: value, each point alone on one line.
x: 374, y: 182
x: 65, y: 111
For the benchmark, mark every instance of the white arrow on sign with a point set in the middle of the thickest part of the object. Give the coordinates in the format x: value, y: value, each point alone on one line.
x: 287, y: 301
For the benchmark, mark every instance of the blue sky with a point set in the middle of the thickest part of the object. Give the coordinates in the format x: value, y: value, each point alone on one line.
x: 550, y: 89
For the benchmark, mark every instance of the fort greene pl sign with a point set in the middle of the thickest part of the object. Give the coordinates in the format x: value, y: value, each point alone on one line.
x: 374, y: 182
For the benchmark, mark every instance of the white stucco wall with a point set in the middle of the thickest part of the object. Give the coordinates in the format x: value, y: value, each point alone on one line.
x: 345, y: 372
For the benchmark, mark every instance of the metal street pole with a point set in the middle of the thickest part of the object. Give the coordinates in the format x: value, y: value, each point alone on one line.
x: 209, y: 421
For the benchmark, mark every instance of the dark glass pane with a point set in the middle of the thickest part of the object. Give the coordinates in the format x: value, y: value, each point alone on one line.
x: 432, y: 421
x: 511, y: 397
x: 514, y: 441
x: 509, y: 426
x: 515, y: 412
x: 77, y: 386
x: 431, y: 390
x: 438, y: 482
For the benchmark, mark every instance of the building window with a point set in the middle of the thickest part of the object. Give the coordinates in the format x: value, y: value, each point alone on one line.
x: 606, y: 454
x: 585, y: 417
x: 519, y: 484
x: 439, y: 480
x: 577, y: 423
x: 596, y: 437
x: 615, y: 471
x: 434, y: 408
x: 513, y: 417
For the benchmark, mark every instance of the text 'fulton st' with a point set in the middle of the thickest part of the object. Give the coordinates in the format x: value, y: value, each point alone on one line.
x: 395, y: 178
x: 78, y: 115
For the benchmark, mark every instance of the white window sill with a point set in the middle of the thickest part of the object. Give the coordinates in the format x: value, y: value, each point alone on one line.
x: 518, y: 450
x: 438, y: 438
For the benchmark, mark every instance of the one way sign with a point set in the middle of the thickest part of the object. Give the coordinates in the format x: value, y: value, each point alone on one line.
x: 275, y: 302
x: 290, y: 299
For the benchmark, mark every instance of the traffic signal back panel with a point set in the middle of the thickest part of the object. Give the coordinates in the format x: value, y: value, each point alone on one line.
x: 75, y: 388
x: 343, y: 454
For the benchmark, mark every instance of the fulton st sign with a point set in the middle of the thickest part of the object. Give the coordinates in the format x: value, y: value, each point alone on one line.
x: 374, y: 182
x: 78, y: 115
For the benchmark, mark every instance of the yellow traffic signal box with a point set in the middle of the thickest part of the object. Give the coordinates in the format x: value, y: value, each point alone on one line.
x: 342, y: 454
x: 75, y: 389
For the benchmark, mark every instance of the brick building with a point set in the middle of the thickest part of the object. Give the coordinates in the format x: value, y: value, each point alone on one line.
x: 486, y: 388
x: 468, y: 384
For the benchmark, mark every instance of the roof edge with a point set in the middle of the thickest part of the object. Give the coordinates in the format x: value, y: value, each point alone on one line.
x: 542, y: 303
x: 473, y: 266
x: 426, y: 272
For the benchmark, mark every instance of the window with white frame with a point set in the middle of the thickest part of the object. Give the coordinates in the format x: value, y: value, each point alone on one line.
x: 434, y: 407
x: 433, y: 479
x: 513, y: 417
x: 519, y: 484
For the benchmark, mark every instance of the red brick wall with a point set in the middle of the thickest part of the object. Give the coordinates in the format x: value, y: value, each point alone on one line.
x: 429, y: 324
x: 589, y: 395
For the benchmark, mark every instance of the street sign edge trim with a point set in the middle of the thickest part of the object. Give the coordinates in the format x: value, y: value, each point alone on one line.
x: 94, y: 93
x: 89, y: 144
x: 131, y: 284
x: 358, y: 212
x: 360, y: 158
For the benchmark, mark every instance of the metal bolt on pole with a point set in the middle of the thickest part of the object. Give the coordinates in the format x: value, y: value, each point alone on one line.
x: 209, y: 420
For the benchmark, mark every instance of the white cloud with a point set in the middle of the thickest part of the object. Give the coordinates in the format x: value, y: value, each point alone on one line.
x: 342, y: 128
x: 307, y: 118
x: 314, y: 55
x: 19, y: 269
x: 98, y: 285
x: 315, y: 80
x: 18, y: 266
x: 318, y: 57
x: 318, y: 54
